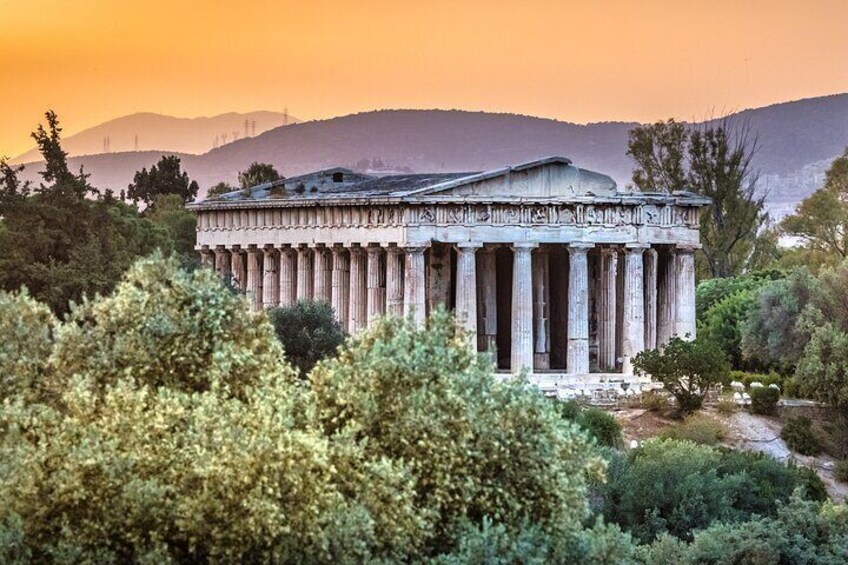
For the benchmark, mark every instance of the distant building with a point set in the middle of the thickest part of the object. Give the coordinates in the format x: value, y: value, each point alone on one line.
x: 551, y: 266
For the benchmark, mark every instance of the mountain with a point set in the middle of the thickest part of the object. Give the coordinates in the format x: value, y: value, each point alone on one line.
x: 796, y: 141
x: 155, y: 132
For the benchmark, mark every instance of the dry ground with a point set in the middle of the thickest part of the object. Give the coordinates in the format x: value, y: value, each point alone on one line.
x: 744, y: 431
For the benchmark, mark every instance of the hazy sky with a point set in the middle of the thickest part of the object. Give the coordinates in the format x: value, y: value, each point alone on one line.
x: 580, y: 61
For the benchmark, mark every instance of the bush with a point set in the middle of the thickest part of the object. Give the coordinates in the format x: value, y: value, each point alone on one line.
x: 723, y: 324
x: 726, y: 406
x: 687, y: 369
x: 840, y: 471
x: 765, y: 379
x: 654, y: 401
x: 26, y: 327
x: 601, y: 426
x: 799, y: 435
x: 308, y: 331
x: 698, y: 428
x: 764, y: 400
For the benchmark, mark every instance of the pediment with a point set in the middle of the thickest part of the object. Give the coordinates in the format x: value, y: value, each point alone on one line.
x: 554, y: 177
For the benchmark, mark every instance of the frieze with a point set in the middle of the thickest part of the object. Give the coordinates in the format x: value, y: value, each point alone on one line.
x: 494, y: 214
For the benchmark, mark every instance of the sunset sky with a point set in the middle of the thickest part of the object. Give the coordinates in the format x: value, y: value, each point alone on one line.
x: 580, y: 61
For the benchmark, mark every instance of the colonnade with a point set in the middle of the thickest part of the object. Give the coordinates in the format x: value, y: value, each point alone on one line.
x: 612, y: 301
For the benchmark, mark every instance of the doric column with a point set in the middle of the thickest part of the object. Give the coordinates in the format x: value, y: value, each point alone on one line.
x: 270, y: 277
x: 578, y: 309
x: 237, y: 268
x: 684, y: 308
x: 288, y: 276
x: 394, y: 281
x: 207, y: 257
x: 666, y: 295
x: 358, y: 316
x: 254, y: 278
x: 466, y: 288
x: 414, y: 281
x: 222, y: 261
x: 322, y: 274
x: 541, y: 310
x: 650, y: 298
x: 304, y: 273
x: 376, y: 297
x: 439, y: 279
x: 487, y: 313
x: 340, y: 294
x: 521, y: 357
x: 634, y: 306
x: 607, y: 309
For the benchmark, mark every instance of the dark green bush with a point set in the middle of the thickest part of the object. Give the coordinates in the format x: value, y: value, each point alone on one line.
x: 799, y: 435
x: 764, y: 400
x: 700, y: 428
x: 746, y: 378
x: 308, y: 331
x: 602, y: 426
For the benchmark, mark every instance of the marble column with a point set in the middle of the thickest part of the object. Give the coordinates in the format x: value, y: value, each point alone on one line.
x: 541, y: 310
x: 237, y: 268
x: 322, y: 274
x: 487, y: 313
x: 684, y: 308
x: 466, y: 289
x: 608, y: 308
x: 358, y: 313
x: 666, y: 295
x: 222, y: 261
x: 207, y: 258
x: 376, y: 296
x: 394, y: 281
x: 414, y: 283
x: 305, y: 274
x: 634, y: 306
x: 254, y: 278
x: 578, y: 309
x: 270, y: 277
x: 650, y: 298
x: 288, y: 276
x: 340, y: 283
x: 521, y: 357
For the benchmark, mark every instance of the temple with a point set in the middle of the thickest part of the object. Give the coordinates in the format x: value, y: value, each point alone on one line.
x: 553, y: 268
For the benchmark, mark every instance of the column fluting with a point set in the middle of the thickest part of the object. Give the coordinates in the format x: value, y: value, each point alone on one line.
x: 270, y: 277
x: 254, y: 278
x: 414, y: 295
x: 376, y: 297
x: 394, y: 280
x: 578, y: 309
x: 466, y: 289
x: 634, y: 306
x: 521, y: 357
x: 340, y: 295
x: 358, y: 317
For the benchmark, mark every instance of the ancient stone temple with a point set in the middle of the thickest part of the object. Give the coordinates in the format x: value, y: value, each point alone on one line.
x: 552, y: 267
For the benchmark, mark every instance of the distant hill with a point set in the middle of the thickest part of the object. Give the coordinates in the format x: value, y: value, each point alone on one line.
x: 796, y: 139
x: 155, y: 132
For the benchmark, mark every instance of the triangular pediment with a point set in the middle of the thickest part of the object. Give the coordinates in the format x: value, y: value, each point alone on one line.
x: 553, y: 177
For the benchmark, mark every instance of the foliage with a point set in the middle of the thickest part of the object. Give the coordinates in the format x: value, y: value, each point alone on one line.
x: 802, y: 532
x: 654, y: 401
x: 710, y: 292
x: 164, y: 178
x: 713, y: 160
x: 726, y: 406
x: 308, y: 332
x: 723, y: 324
x: 687, y: 369
x: 219, y: 189
x: 474, y: 446
x: 678, y: 487
x: 698, y: 428
x: 765, y: 379
x: 26, y: 327
x: 257, y: 173
x: 601, y: 426
x: 168, y: 212
x: 840, y: 471
x: 821, y: 219
x: 764, y: 400
x: 799, y: 435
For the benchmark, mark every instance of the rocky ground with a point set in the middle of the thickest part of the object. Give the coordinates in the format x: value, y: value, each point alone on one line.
x: 744, y: 431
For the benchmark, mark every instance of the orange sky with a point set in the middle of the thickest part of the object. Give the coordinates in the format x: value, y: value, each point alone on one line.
x: 581, y: 61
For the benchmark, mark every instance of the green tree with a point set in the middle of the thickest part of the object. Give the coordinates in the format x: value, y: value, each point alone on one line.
x: 219, y: 189
x: 821, y: 219
x: 257, y: 173
x: 687, y: 369
x: 714, y: 161
x: 27, y: 328
x: 169, y: 213
x: 308, y: 332
x: 165, y: 177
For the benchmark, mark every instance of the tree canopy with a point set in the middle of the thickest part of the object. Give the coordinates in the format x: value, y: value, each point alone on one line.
x: 257, y: 173
x: 164, y: 178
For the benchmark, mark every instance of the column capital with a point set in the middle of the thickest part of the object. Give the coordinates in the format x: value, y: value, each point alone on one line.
x: 580, y: 248
x: 686, y: 247
x: 234, y: 247
x: 524, y: 245
x: 636, y: 247
x: 316, y: 245
x: 373, y: 249
x: 415, y: 246
x: 469, y: 245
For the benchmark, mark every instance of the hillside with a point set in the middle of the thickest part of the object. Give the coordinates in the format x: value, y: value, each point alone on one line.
x: 796, y: 140
x: 146, y: 131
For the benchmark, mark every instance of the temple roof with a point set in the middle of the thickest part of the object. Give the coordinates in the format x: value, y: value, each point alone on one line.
x: 544, y: 179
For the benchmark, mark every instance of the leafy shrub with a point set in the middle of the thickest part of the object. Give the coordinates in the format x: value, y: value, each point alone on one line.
x: 726, y: 406
x: 799, y: 435
x: 698, y: 428
x: 723, y: 323
x: 840, y: 471
x: 764, y: 400
x: 654, y: 401
x: 308, y: 331
x: 687, y: 369
x: 26, y: 327
x: 602, y: 426
x: 746, y: 378
x: 677, y: 487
